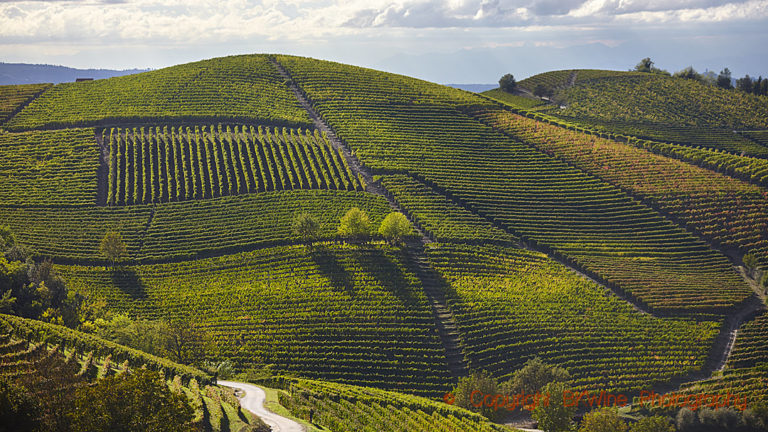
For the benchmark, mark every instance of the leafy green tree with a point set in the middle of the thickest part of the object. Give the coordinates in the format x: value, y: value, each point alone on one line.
x: 554, y: 416
x: 355, y: 224
x: 750, y: 262
x: 744, y: 84
x: 688, y: 73
x: 395, y: 227
x: 7, y: 238
x: 19, y: 410
x: 724, y: 79
x: 131, y: 402
x: 113, y: 247
x: 471, y: 390
x: 507, y: 83
x: 604, y: 419
x: 542, y: 91
x: 306, y: 226
x: 653, y: 424
x: 533, y: 376
x: 645, y: 65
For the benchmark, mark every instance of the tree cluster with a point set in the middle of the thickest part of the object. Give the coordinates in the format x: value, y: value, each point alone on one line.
x: 722, y: 80
x: 753, y: 419
x: 355, y: 225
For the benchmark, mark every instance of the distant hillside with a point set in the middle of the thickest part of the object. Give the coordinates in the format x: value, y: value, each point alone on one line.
x: 23, y: 73
x: 474, y: 88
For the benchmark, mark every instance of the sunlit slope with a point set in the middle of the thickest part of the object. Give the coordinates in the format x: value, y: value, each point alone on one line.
x: 13, y: 97
x: 395, y: 123
x: 656, y: 107
x: 236, y: 88
x: 343, y: 313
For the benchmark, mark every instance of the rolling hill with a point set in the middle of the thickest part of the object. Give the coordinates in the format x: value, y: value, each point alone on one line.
x: 586, y: 236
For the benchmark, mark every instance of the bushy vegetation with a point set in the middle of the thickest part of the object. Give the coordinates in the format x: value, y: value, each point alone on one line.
x: 231, y: 89
x: 174, y: 164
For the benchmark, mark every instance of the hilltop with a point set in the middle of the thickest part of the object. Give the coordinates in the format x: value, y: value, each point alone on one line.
x: 570, y: 234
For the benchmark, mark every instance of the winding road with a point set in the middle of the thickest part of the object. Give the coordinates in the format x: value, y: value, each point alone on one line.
x: 253, y: 401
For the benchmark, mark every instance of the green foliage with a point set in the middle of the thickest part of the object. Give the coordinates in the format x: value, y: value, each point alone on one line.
x: 48, y: 168
x: 112, y: 247
x: 751, y: 262
x: 136, y: 401
x: 231, y: 89
x: 175, y: 164
x: 554, y: 416
x: 470, y: 391
x: 533, y: 376
x: 265, y: 307
x: 7, y: 238
x: 306, y: 227
x: 19, y: 410
x: 355, y: 224
x: 507, y: 83
x: 349, y: 408
x: 501, y: 298
x: 652, y: 424
x: 724, y: 79
x: 13, y: 97
x: 604, y: 419
x: 150, y: 336
x: 395, y: 227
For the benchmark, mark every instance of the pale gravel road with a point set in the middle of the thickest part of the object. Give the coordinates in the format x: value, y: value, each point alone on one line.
x: 253, y: 401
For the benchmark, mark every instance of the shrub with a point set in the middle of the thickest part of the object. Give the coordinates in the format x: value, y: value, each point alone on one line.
x: 395, y: 227
x: 355, y: 224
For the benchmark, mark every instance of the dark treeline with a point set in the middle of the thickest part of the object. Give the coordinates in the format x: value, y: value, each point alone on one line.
x: 724, y: 79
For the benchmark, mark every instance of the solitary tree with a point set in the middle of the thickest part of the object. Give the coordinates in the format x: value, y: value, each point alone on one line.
x: 113, y: 247
x: 507, y: 83
x: 306, y: 226
x: 605, y: 419
x: 645, y: 65
x: 355, y: 224
x: 394, y: 227
x: 751, y: 262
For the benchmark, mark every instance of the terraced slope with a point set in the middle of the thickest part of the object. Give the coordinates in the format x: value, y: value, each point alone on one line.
x: 48, y: 168
x: 346, y: 408
x: 511, y: 305
x: 13, y: 97
x: 728, y: 212
x: 187, y: 229
x: 348, y: 314
x: 420, y: 130
x: 231, y: 89
x: 169, y: 164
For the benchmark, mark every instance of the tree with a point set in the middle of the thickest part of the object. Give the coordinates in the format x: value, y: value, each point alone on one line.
x: 355, y: 224
x: 645, y: 65
x: 542, y: 91
x: 751, y: 262
x: 187, y: 341
x: 7, y: 238
x: 604, y: 419
x: 724, y: 79
x: 508, y: 83
x: 306, y: 226
x: 653, y: 424
x: 533, y: 376
x: 19, y: 410
x: 688, y: 73
x: 744, y: 84
x: 481, y: 384
x: 136, y: 401
x: 113, y: 247
x: 395, y: 227
x: 554, y: 416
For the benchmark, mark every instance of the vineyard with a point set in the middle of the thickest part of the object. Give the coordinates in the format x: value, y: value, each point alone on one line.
x: 226, y: 89
x: 725, y: 211
x: 538, y: 198
x: 13, y: 97
x: 349, y: 314
x: 27, y: 347
x: 48, y: 169
x: 174, y: 164
x: 185, y: 229
x: 342, y: 407
x: 503, y: 300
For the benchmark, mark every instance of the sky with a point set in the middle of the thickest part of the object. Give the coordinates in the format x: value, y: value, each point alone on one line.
x: 455, y: 41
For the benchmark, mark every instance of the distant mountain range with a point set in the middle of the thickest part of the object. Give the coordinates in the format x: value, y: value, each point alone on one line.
x: 23, y: 73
